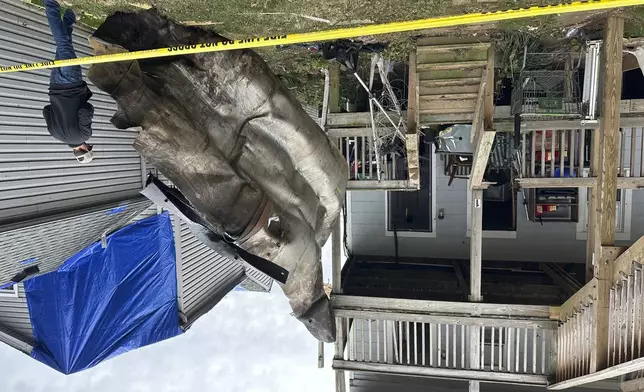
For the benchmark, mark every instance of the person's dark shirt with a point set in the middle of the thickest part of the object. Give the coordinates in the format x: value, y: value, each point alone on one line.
x: 69, y: 115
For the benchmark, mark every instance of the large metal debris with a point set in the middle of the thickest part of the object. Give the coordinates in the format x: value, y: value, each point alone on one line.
x: 240, y: 148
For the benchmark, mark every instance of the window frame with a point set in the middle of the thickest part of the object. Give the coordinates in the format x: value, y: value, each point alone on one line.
x: 417, y: 234
x: 10, y: 291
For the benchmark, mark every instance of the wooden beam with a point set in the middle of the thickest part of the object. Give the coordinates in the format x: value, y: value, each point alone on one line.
x: 577, y: 182
x: 604, y: 374
x: 447, y: 319
x: 604, y: 196
x: 325, y: 99
x: 442, y: 307
x: 572, y: 123
x: 476, y: 264
x: 475, y: 386
x: 375, y: 185
x: 632, y: 109
x: 559, y: 280
x: 482, y: 151
x: 411, y: 138
x: 625, y: 259
x: 334, y: 89
x: 476, y: 244
x: 489, y: 91
x: 357, y: 119
x: 354, y: 132
x: 484, y: 141
x: 630, y: 182
x: 410, y: 370
x: 609, y: 131
x: 477, y: 122
x: 566, y: 182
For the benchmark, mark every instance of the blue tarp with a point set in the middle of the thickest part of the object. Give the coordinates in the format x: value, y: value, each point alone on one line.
x: 104, y: 302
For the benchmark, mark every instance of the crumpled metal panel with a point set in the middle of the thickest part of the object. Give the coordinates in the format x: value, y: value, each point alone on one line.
x: 240, y: 148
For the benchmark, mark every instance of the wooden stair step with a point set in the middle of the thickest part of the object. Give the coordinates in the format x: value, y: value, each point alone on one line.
x: 450, y: 82
x: 450, y: 56
x: 451, y: 40
x: 437, y: 111
x: 455, y: 89
x: 449, y: 86
x: 451, y: 66
x: 449, y: 96
x: 442, y: 74
x: 437, y: 118
x: 436, y: 106
x: 447, y: 48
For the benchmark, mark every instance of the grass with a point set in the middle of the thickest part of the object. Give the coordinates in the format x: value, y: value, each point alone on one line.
x: 299, y: 69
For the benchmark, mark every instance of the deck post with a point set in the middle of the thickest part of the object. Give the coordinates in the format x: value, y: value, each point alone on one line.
x: 476, y: 245
x: 601, y: 223
x: 336, y: 239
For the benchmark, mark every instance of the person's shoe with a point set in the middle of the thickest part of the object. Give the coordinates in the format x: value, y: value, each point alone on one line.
x: 69, y: 17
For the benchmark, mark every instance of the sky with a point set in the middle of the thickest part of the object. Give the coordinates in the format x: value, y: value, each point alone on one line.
x: 248, y: 342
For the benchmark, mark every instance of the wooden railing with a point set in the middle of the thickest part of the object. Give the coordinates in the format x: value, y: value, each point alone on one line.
x: 622, y: 326
x: 575, y: 335
x: 555, y: 153
x: 626, y: 317
x: 561, y: 158
x: 387, y: 338
x: 631, y: 163
x: 369, y: 170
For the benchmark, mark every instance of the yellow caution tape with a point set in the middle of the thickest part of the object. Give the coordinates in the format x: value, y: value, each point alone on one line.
x: 350, y: 32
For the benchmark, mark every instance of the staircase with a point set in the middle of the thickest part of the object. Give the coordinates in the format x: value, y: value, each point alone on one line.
x: 449, y: 74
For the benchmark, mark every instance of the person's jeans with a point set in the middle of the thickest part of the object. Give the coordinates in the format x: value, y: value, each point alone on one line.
x: 61, y: 30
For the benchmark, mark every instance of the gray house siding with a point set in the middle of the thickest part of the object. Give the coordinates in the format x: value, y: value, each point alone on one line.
x: 553, y: 242
x: 48, y: 244
x: 205, y: 274
x: 38, y: 174
x: 14, y: 316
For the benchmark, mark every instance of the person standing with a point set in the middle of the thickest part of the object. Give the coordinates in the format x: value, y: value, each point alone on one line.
x: 69, y: 114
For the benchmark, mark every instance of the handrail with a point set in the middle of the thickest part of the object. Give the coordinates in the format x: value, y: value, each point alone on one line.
x: 624, y: 262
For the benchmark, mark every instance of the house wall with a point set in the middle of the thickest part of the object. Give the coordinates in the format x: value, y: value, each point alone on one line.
x: 38, y: 174
x: 206, y: 275
x: 14, y: 315
x: 552, y: 242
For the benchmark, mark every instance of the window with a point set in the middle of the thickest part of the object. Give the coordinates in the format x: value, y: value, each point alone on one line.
x: 412, y: 214
x: 499, y: 212
x: 9, y: 291
x: 622, y: 214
